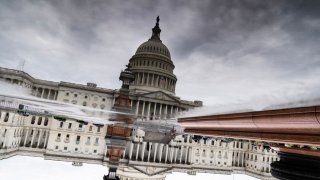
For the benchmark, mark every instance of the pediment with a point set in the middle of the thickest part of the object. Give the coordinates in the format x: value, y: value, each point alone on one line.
x: 151, y: 171
x: 160, y: 96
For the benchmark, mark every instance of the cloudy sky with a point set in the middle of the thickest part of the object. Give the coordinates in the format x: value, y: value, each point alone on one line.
x: 224, y: 51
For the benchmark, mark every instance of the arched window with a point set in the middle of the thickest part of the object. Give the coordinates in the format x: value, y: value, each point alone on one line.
x: 46, y: 120
x: 39, y: 120
x: 6, y: 117
x: 33, y: 120
x: 84, y: 103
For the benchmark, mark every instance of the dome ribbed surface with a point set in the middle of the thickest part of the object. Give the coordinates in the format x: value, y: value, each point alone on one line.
x: 153, y: 46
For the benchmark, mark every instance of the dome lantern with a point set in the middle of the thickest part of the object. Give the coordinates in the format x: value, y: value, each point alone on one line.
x: 156, y: 31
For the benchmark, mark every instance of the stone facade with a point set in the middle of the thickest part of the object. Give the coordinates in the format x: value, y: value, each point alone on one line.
x: 73, y: 141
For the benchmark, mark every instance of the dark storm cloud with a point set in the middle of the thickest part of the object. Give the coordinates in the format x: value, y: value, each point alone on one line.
x: 224, y: 51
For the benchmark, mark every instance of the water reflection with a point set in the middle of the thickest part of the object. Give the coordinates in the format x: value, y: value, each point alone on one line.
x: 143, y: 152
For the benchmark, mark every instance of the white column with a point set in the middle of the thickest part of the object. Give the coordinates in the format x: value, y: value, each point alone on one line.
x: 39, y: 138
x: 171, y: 111
x: 49, y: 94
x: 33, y: 135
x: 143, y: 107
x: 181, y: 152
x: 137, y: 107
x: 171, y: 154
x: 148, y: 78
x: 160, y: 155
x: 46, y: 139
x: 131, y: 149
x: 143, y: 79
x: 177, y: 110
x: 143, y: 149
x: 5, y: 139
x: 26, y: 137
x: 186, y: 155
x: 56, y: 94
x: 113, y: 100
x: 42, y: 93
x: 148, y: 113
x: 155, y: 152
x: 175, y: 154
x: 154, y: 111
x: 160, y: 111
x: 137, y: 153
x: 166, y: 112
x: 152, y: 80
x: 150, y: 146
x: 124, y: 153
x: 167, y: 149
x: 36, y: 93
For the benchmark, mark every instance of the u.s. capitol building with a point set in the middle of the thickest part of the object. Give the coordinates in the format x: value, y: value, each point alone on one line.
x: 152, y: 92
x: 152, y: 96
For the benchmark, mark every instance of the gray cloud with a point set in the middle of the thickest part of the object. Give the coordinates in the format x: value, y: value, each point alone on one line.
x: 224, y: 51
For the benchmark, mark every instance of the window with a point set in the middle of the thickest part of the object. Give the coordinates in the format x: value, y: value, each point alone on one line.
x: 46, y: 120
x: 80, y: 126
x: 33, y: 120
x: 75, y: 95
x: 65, y: 148
x: 97, y: 141
x: 75, y: 149
x: 86, y: 97
x: 90, y: 128
x: 39, y: 120
x: 61, y: 124
x: 84, y: 103
x: 59, y: 135
x: 6, y: 118
x: 57, y: 147
x: 67, y: 94
x: 88, y: 141
x: 212, y: 142
x: 69, y: 126
x: 98, y: 129
x: 78, y: 140
x: 103, y: 99
x: 67, y: 136
x: 95, y: 151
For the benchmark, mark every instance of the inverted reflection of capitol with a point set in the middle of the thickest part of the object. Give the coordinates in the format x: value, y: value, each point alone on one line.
x: 76, y: 142
x: 152, y: 98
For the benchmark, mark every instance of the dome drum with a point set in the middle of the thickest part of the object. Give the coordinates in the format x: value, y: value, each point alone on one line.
x: 152, y: 66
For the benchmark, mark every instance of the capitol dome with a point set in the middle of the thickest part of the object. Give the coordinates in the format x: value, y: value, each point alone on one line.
x: 154, y: 46
x: 152, y: 66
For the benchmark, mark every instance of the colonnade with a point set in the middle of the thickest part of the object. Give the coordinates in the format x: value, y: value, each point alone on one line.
x: 35, y: 138
x: 155, y: 80
x: 158, y: 153
x: 45, y: 93
x: 148, y: 110
x: 238, y: 158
